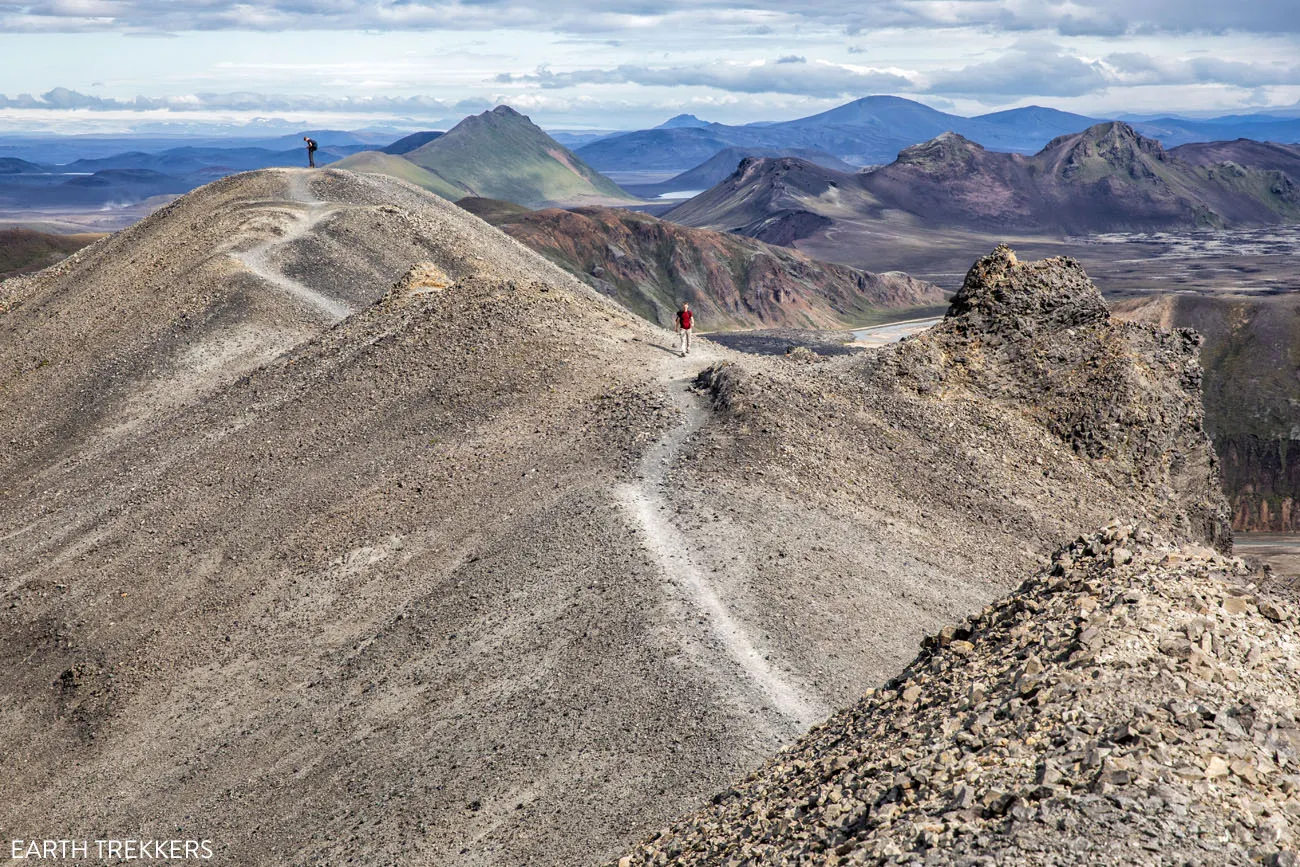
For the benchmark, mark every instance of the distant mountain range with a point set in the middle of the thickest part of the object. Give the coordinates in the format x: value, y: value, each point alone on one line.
x: 867, y: 131
x: 651, y: 266
x: 874, y: 129
x: 501, y: 154
x: 498, y: 154
x: 1106, y: 178
x: 135, y: 176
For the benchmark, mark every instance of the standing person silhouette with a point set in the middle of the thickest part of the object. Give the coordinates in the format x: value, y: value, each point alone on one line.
x: 685, y: 321
x: 311, y: 152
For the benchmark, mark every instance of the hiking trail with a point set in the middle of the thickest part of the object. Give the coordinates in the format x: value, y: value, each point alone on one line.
x: 311, y: 213
x: 674, y: 550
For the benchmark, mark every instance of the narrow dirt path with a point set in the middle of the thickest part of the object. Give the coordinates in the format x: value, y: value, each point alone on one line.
x: 310, y: 213
x: 740, y: 657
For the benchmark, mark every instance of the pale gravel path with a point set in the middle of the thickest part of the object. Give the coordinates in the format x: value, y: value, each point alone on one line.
x: 741, y: 658
x: 313, y: 213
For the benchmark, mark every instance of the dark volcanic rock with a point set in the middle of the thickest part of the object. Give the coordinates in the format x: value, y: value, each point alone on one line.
x: 999, y: 293
x: 1124, y: 394
x: 1128, y: 705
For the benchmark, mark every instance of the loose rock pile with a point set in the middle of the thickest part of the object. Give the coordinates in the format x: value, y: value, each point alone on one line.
x: 1136, y: 702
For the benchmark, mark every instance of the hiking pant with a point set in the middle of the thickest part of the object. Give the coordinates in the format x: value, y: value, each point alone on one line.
x: 685, y: 339
x: 311, y: 159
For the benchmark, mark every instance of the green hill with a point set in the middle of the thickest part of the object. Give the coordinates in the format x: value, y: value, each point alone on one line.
x: 379, y: 163
x: 500, y: 154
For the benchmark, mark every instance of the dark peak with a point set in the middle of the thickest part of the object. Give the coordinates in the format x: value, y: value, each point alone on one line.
x: 504, y: 111
x: 945, y: 147
x: 1116, y: 130
x: 1111, y: 138
x: 1000, y: 292
x: 755, y: 166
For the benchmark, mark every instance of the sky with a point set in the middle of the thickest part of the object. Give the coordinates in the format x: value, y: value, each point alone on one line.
x: 134, y: 65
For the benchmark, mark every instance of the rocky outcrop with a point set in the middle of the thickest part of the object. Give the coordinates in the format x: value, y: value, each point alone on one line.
x: 1134, y: 703
x: 1126, y: 395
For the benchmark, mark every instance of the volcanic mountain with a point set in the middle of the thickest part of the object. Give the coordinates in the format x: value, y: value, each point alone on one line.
x: 721, y: 165
x: 1118, y: 708
x: 1107, y: 178
x: 777, y: 200
x: 651, y: 266
x: 498, y: 154
x: 336, y: 524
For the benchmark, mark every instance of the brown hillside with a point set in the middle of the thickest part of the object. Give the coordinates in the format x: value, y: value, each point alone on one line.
x: 651, y: 266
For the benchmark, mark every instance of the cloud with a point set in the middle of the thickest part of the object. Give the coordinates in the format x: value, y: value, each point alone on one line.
x: 61, y: 98
x: 793, y: 76
x: 1027, y: 70
x: 1066, y: 17
x: 1136, y: 69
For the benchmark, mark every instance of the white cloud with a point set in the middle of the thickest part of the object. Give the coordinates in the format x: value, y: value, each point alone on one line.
x: 62, y: 99
x: 1039, y: 69
x: 1066, y: 17
x: 789, y: 75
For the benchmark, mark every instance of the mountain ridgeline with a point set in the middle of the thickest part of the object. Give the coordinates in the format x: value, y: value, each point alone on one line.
x: 499, y: 154
x: 1104, y: 179
x: 867, y: 131
x: 651, y: 266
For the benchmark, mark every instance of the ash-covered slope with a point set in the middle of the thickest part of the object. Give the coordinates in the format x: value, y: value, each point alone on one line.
x: 1134, y: 704
x: 156, y: 317
x: 651, y: 266
x: 469, y: 576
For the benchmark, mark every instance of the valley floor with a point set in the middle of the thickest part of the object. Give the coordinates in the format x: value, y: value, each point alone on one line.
x: 1123, y: 264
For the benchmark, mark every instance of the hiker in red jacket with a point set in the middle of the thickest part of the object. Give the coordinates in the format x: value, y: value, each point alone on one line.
x: 685, y: 319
